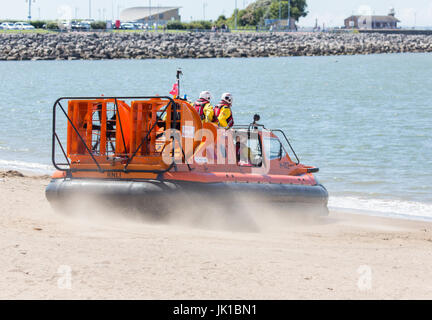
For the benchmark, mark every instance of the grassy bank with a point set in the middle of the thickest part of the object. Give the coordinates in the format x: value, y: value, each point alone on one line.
x: 43, y: 31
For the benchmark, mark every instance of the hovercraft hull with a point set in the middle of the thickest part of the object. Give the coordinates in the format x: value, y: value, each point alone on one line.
x: 156, y: 195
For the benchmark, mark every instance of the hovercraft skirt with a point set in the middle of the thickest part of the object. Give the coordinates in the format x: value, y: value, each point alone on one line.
x: 155, y: 193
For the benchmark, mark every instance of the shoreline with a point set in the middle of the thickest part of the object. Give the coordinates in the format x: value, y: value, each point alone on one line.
x: 109, y: 46
x: 118, y: 257
x: 379, y: 214
x: 13, y: 172
x: 267, y: 57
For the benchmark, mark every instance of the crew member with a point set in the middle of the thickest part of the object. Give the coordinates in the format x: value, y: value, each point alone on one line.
x: 204, y: 107
x: 222, y: 111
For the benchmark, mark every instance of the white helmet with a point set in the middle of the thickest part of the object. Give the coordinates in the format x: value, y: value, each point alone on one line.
x: 206, y: 95
x: 227, y: 97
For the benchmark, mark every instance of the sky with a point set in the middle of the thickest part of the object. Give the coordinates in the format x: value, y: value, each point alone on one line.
x: 328, y: 12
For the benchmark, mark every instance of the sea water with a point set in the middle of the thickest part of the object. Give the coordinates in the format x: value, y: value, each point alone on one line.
x: 365, y: 121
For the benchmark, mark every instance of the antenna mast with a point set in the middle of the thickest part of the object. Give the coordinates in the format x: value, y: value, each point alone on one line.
x: 179, y: 73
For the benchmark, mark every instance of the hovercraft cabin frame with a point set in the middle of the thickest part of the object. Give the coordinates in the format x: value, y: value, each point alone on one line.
x: 171, y: 108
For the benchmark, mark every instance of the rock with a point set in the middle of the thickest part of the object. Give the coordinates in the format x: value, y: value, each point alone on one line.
x: 11, y: 174
x: 72, y: 46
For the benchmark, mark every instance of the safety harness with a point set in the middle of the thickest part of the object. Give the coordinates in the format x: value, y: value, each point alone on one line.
x: 217, y: 110
x: 199, y: 107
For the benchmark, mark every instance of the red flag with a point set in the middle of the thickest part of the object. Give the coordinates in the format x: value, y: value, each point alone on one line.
x: 174, y: 90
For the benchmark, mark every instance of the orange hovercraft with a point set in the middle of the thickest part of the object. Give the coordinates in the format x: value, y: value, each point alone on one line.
x: 154, y: 152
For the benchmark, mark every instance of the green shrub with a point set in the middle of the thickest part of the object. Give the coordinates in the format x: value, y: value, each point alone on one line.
x: 201, y: 25
x: 98, y: 25
x: 176, y: 25
x: 38, y: 24
x: 52, y: 25
x: 221, y: 20
x: 194, y: 25
x: 12, y: 21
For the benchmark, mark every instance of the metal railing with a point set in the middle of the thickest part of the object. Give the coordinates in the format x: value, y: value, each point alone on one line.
x: 255, y: 126
x: 56, y: 140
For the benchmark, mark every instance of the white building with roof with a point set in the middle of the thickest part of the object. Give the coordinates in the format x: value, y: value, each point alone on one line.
x: 159, y: 15
x: 370, y: 22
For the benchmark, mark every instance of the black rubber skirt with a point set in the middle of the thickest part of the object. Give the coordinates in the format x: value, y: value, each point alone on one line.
x: 158, y: 195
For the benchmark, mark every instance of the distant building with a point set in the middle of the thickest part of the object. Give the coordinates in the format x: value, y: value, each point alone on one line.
x: 372, y: 22
x: 161, y: 15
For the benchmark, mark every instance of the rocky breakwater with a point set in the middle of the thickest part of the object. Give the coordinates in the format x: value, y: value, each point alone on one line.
x: 89, y: 46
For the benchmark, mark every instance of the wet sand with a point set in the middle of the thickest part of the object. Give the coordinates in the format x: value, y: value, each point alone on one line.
x: 48, y: 255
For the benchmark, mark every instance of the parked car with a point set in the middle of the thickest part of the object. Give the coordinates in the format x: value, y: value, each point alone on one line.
x: 85, y: 25
x: 127, y: 26
x: 139, y: 25
x: 75, y: 25
x: 63, y: 25
x: 23, y: 26
x: 8, y: 26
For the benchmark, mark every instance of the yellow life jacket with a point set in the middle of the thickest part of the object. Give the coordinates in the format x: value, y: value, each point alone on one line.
x: 204, y: 109
x: 223, y: 114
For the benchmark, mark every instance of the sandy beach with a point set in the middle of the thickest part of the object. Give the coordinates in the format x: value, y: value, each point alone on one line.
x: 92, y: 255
